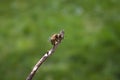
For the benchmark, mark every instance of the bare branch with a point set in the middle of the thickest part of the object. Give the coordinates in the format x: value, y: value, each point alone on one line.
x: 55, y: 42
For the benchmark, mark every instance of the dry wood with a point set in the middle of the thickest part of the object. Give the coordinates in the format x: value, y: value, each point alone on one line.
x: 46, y: 55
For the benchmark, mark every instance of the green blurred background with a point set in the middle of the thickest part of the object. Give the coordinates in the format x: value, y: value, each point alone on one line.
x: 89, y: 51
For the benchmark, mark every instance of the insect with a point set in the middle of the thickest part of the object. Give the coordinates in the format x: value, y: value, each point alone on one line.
x: 54, y: 39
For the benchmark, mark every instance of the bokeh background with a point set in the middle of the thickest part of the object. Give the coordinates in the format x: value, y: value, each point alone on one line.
x: 89, y: 51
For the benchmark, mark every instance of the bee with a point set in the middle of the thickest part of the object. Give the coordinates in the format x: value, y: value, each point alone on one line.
x: 54, y: 39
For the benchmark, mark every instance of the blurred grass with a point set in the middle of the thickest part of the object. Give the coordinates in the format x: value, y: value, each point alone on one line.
x: 90, y: 50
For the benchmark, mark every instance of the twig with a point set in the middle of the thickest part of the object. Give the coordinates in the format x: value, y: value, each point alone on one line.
x: 56, y: 40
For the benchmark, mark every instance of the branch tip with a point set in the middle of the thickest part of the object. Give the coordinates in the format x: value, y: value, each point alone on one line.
x: 55, y: 40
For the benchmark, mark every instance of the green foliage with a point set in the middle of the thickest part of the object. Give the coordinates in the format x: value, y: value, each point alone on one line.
x: 90, y: 50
